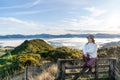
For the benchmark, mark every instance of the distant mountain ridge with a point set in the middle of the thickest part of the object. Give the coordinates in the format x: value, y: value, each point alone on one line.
x: 99, y: 35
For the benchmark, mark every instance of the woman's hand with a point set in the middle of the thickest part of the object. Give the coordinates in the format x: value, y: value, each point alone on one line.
x: 85, y: 55
x: 82, y: 53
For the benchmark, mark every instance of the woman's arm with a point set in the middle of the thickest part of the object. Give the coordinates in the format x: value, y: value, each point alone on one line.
x: 84, y: 49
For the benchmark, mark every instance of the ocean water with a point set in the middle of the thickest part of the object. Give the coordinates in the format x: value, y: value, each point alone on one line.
x: 58, y: 42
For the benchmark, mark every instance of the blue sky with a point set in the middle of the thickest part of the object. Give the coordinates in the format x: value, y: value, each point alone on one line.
x: 59, y: 16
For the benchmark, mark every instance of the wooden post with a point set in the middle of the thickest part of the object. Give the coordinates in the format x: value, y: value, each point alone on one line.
x: 59, y: 70
x: 24, y: 78
x: 63, y: 71
x: 110, y: 68
x: 96, y: 70
x: 114, y: 66
x: 80, y: 73
x: 26, y: 73
x: 27, y: 64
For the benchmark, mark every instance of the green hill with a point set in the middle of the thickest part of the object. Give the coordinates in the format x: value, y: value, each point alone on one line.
x: 112, y: 51
x: 32, y: 46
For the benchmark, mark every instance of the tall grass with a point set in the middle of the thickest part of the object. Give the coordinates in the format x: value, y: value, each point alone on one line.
x: 48, y: 74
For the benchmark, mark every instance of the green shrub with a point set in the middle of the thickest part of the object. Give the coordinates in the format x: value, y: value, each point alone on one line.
x: 64, y: 53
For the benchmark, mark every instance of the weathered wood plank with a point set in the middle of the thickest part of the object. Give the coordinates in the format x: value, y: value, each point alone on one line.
x: 103, y: 66
x: 99, y: 59
x: 100, y: 72
x: 117, y: 73
x: 93, y: 79
x: 77, y: 73
x: 117, y: 76
x: 103, y: 72
x: 73, y: 67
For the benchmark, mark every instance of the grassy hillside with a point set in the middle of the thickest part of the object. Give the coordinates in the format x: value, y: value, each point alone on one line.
x: 33, y: 51
x: 32, y: 46
x: 13, y: 62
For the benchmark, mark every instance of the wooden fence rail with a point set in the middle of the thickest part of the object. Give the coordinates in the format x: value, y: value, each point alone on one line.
x: 117, y: 73
x: 71, y: 69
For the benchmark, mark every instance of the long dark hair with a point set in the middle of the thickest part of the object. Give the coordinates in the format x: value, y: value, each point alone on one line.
x: 93, y: 40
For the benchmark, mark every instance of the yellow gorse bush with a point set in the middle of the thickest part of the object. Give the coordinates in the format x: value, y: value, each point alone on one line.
x: 23, y: 58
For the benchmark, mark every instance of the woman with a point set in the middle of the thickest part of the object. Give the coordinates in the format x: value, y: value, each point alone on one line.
x: 89, y: 53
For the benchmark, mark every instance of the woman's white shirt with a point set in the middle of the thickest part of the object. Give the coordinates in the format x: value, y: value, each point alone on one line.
x: 91, y: 49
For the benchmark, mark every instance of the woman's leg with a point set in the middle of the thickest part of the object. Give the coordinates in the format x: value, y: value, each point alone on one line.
x: 85, y: 59
x: 90, y: 63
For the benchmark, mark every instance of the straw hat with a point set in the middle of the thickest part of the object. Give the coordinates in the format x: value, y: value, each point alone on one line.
x: 90, y: 36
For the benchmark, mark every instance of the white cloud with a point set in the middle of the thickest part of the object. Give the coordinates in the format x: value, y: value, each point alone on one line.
x: 95, y: 11
x: 96, y: 21
x: 13, y: 25
x: 74, y: 2
x: 34, y: 3
x: 70, y: 3
x: 113, y: 20
x: 26, y: 5
x: 13, y: 21
x: 32, y: 12
x: 86, y: 23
